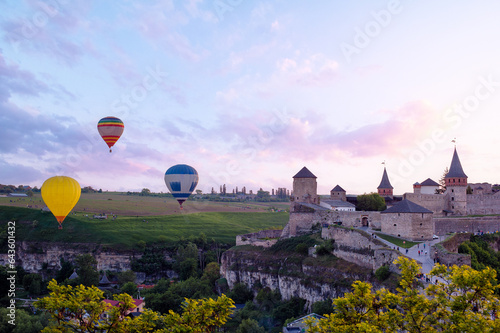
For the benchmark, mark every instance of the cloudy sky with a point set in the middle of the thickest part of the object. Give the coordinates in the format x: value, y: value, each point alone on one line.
x: 249, y: 92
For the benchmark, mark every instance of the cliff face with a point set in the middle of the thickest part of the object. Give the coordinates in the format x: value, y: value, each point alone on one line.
x: 33, y: 257
x: 313, y: 279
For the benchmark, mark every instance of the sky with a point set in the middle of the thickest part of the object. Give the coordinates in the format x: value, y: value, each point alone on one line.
x: 249, y: 92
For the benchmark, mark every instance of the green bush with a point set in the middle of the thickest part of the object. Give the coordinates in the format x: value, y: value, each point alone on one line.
x: 302, y: 248
x: 382, y: 273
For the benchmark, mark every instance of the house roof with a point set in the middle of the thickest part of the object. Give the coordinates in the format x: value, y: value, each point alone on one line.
x: 104, y: 280
x: 17, y: 195
x: 456, y: 167
x: 338, y: 189
x: 299, y: 322
x: 385, y: 183
x: 407, y: 206
x: 338, y: 203
x: 112, y: 302
x: 429, y: 182
x: 313, y: 206
x: 304, y: 173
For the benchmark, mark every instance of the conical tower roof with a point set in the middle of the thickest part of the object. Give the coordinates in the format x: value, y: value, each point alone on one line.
x: 104, y: 280
x: 74, y: 275
x: 385, y: 183
x: 338, y: 189
x: 304, y: 173
x: 456, y: 170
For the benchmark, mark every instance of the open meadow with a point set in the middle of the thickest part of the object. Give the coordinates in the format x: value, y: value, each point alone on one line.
x: 139, y: 218
x: 136, y: 205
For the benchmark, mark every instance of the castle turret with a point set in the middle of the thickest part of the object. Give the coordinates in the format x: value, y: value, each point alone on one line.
x: 385, y: 188
x: 338, y: 193
x: 305, y: 187
x: 456, y: 186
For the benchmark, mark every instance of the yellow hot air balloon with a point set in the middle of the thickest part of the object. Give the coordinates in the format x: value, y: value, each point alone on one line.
x: 60, y: 194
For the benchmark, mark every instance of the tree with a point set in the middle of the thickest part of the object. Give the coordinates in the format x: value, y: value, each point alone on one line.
x: 370, y: 202
x: 263, y: 195
x: 462, y: 300
x: 33, y: 283
x: 80, y: 309
x: 211, y: 273
x: 250, y: 326
x: 468, y: 190
x: 442, y: 181
x: 127, y: 276
x: 145, y: 191
x: 87, y: 270
x: 25, y: 323
x: 129, y: 288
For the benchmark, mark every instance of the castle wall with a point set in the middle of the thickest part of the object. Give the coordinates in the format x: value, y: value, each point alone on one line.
x: 483, y: 204
x: 444, y: 225
x: 263, y: 238
x: 301, y: 223
x: 413, y: 226
x: 446, y: 253
x: 435, y: 202
x: 487, y: 188
x: 360, y: 248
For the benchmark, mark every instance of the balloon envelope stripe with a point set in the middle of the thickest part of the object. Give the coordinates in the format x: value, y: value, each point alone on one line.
x: 110, y: 124
x: 181, y: 169
x: 175, y: 186
x: 181, y: 195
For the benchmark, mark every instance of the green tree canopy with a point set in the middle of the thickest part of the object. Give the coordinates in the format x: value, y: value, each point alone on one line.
x: 462, y: 300
x: 370, y: 202
x: 87, y: 270
x: 81, y: 309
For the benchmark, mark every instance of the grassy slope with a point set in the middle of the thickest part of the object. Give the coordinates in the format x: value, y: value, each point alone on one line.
x: 125, y: 232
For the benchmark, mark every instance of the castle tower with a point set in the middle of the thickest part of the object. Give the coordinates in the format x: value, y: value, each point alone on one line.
x: 305, y: 187
x: 385, y: 187
x: 338, y: 193
x: 456, y: 186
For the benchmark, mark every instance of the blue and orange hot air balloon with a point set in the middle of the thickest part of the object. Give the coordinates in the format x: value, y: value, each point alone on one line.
x: 181, y: 180
x: 110, y: 129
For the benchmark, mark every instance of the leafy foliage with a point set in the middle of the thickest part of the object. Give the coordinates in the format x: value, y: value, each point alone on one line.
x: 80, y: 309
x: 370, y: 202
x: 240, y: 293
x: 382, y: 273
x: 464, y: 302
x: 290, y: 244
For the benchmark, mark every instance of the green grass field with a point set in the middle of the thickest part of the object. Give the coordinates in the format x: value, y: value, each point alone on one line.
x: 126, y: 231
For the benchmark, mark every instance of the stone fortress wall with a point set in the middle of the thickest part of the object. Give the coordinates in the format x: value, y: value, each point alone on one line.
x: 301, y: 222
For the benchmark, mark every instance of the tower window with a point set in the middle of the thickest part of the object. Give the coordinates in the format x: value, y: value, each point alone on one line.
x: 453, y: 180
x: 394, y: 224
x: 452, y: 190
x: 452, y: 207
x: 452, y: 198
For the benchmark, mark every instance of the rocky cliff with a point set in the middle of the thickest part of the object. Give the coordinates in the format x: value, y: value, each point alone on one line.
x: 313, y: 279
x: 35, y: 256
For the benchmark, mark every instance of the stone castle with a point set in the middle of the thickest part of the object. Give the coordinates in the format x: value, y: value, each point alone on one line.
x: 416, y: 216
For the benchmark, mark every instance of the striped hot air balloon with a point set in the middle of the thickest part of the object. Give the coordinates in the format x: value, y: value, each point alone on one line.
x: 181, y: 180
x: 110, y: 129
